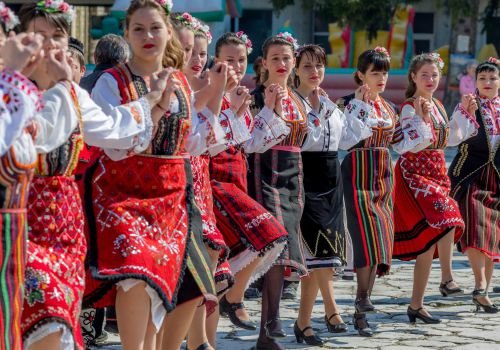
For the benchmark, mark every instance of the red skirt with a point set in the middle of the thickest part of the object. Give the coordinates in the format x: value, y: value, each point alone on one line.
x: 205, y: 202
x: 245, y: 224
x: 424, y: 212
x: 480, y: 207
x: 55, y: 274
x: 142, y: 209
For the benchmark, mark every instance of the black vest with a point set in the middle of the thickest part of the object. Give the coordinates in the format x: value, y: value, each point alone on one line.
x: 473, y: 155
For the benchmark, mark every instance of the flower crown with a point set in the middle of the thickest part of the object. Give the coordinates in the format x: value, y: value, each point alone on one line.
x: 57, y: 6
x: 382, y: 51
x: 166, y: 4
x: 437, y: 59
x: 288, y: 37
x: 204, y: 29
x: 186, y: 19
x: 8, y: 18
x: 248, y: 43
x: 494, y: 60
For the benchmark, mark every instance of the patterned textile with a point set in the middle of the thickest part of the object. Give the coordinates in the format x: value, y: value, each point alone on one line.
x: 423, y: 210
x: 480, y: 208
x: 276, y: 183
x: 55, y: 275
x: 205, y: 202
x: 322, y: 222
x: 368, y: 182
x: 134, y: 238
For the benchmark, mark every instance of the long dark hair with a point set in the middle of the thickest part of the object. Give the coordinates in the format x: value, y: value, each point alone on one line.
x: 380, y: 62
x: 275, y: 40
x: 486, y: 66
x: 314, y: 51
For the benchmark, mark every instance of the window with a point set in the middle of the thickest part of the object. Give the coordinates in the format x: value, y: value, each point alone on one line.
x: 320, y: 32
x: 423, y: 29
x: 258, y: 24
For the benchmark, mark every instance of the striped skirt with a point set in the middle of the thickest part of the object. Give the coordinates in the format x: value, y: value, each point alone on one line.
x: 275, y: 181
x: 367, y: 177
x: 480, y: 208
x: 12, y: 259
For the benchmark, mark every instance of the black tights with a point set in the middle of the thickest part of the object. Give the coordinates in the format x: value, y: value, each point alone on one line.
x: 366, y: 279
x: 271, y: 296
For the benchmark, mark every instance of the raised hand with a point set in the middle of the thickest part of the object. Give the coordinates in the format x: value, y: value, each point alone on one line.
x: 218, y: 77
x: 362, y: 93
x: 173, y: 85
x: 232, y: 80
x: 240, y: 100
x: 469, y: 103
x: 270, y: 96
x: 423, y: 108
x: 21, y: 51
x: 282, y: 94
x: 57, y: 66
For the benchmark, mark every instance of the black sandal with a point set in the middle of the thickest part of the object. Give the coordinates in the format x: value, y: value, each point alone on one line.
x: 335, y: 328
x: 445, y: 291
x: 489, y: 309
x: 226, y: 308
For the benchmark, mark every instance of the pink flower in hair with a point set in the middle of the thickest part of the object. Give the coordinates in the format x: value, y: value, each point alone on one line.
x: 382, y: 51
x: 288, y: 37
x: 8, y: 17
x: 494, y: 60
x: 246, y: 40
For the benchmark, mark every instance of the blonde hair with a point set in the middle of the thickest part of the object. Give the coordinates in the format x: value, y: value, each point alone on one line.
x: 174, y: 54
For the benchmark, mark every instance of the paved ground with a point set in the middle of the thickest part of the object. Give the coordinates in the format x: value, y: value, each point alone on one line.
x: 462, y: 327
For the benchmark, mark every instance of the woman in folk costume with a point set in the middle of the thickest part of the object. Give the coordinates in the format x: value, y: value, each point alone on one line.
x: 322, y: 222
x: 192, y: 34
x: 367, y: 176
x: 424, y: 212
x: 54, y: 275
x: 276, y: 179
x: 152, y: 229
x: 254, y: 236
x: 19, y: 102
x: 475, y: 183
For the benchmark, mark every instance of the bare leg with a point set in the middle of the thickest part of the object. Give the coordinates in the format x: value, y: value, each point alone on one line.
x: 177, y: 324
x: 445, y: 249
x: 133, y: 314
x: 482, y: 267
x: 421, y: 274
x: 159, y: 337
x: 212, y: 324
x: 237, y: 292
x: 308, y: 291
x: 52, y: 341
x: 325, y: 283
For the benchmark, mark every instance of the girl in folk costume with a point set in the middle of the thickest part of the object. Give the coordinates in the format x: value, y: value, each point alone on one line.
x: 322, y: 223
x: 194, y: 35
x: 19, y: 103
x: 424, y: 213
x: 475, y: 183
x: 276, y: 179
x: 254, y: 236
x: 367, y: 176
x: 56, y: 247
x: 150, y: 235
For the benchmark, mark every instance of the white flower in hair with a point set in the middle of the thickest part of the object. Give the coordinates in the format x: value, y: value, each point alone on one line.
x: 246, y: 40
x: 288, y: 37
x: 437, y: 58
x: 57, y: 6
x: 8, y: 17
x: 166, y: 4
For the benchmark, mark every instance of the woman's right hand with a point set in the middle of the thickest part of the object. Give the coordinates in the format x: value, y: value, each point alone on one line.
x: 58, y: 67
x: 240, y: 100
x: 362, y: 93
x: 21, y: 51
x: 423, y: 109
x: 270, y: 96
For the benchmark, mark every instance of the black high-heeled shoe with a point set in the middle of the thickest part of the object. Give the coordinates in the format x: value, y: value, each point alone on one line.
x: 274, y: 330
x: 489, y: 309
x: 414, y: 314
x: 267, y: 344
x: 313, y: 340
x: 445, y: 291
x: 226, y: 308
x: 364, y: 305
x: 361, y: 325
x: 335, y: 328
x: 203, y: 346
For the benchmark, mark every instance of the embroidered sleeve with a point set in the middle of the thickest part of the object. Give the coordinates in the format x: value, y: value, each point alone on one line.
x: 412, y: 134
x: 353, y: 132
x: 360, y: 115
x: 462, y: 126
x: 119, y: 129
x: 268, y: 130
x: 206, y: 132
x: 19, y: 102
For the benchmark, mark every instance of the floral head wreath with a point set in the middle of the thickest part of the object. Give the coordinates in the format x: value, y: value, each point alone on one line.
x: 437, y: 59
x: 494, y: 60
x: 57, y: 6
x: 288, y: 37
x: 166, y: 4
x: 7, y: 17
x: 382, y: 51
x: 248, y: 43
x: 187, y: 20
x: 204, y: 29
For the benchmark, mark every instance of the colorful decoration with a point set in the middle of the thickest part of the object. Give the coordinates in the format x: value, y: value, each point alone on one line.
x: 8, y: 18
x: 246, y: 40
x: 57, y: 6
